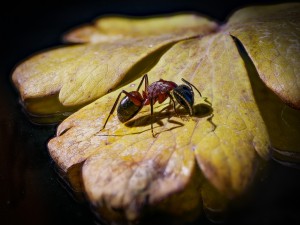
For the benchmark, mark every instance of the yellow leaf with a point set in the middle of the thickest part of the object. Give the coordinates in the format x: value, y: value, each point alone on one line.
x: 110, y: 28
x: 139, y: 170
x: 67, y: 78
x: 271, y: 37
x: 219, y: 72
x: 282, y: 121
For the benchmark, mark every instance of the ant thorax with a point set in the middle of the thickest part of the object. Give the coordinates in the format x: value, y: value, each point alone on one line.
x: 160, y: 87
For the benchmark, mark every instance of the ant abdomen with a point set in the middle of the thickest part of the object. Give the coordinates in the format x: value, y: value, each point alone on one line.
x: 127, y: 109
x: 184, y: 95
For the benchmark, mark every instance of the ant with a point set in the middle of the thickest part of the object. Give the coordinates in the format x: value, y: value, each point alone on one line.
x: 158, y: 91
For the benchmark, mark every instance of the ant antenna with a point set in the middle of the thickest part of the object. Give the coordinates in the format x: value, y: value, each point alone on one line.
x: 192, y: 86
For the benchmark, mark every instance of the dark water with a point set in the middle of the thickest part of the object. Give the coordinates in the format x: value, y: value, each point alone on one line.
x: 30, y: 191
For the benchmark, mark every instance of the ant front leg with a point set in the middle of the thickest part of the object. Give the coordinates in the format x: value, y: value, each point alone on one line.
x: 151, y: 106
x: 174, y: 103
x: 193, y: 86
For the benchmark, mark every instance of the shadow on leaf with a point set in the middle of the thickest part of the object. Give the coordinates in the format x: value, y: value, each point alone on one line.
x: 200, y: 111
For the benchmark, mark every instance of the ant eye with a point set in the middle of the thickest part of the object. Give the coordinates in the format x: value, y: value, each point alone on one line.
x: 185, y: 97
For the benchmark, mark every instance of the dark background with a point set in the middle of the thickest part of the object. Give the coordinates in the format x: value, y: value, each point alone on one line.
x: 30, y: 190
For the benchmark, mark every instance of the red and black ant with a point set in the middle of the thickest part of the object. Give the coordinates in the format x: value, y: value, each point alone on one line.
x: 159, y: 91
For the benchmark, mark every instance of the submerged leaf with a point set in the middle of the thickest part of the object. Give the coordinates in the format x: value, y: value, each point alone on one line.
x: 138, y: 170
x: 271, y: 37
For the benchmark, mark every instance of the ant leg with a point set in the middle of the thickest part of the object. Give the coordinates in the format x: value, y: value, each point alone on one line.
x: 145, y: 77
x: 151, y: 105
x: 205, y: 99
x: 193, y: 86
x: 174, y: 103
x: 209, y: 119
x: 114, y: 106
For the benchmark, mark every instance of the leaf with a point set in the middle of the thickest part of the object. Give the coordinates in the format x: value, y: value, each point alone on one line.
x: 272, y: 42
x: 137, y: 169
x: 214, y: 203
x: 111, y: 28
x: 270, y: 35
x: 67, y: 78
x: 282, y: 121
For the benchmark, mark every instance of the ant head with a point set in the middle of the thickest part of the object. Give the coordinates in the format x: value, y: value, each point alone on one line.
x: 184, y: 95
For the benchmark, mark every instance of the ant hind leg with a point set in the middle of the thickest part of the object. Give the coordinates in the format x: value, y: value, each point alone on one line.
x: 130, y: 95
x: 145, y: 77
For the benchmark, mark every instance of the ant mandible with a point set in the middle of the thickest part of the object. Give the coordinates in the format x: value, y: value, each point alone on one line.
x: 159, y: 91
